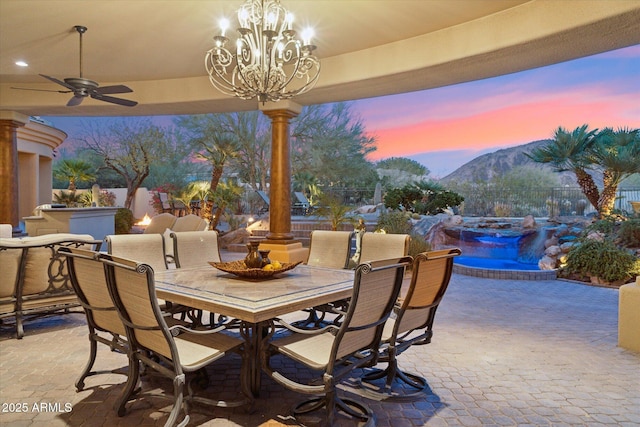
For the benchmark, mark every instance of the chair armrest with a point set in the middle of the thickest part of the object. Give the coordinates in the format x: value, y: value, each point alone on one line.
x: 333, y: 329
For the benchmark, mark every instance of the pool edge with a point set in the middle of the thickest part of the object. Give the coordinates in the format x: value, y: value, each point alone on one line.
x: 486, y: 273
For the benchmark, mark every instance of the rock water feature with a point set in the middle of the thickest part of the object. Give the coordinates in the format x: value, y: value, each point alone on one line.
x: 504, y: 248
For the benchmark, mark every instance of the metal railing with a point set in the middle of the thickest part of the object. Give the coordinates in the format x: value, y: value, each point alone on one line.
x: 539, y: 202
x: 484, y: 201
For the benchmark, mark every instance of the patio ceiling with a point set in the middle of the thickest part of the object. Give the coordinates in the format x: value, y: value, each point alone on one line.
x: 367, y: 47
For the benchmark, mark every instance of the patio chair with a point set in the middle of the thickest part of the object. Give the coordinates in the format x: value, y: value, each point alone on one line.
x: 412, y: 325
x: 195, y: 248
x: 165, y: 203
x: 144, y: 248
x: 301, y: 206
x: 376, y: 246
x: 6, y: 231
x: 330, y: 249
x: 337, y: 351
x: 160, y: 223
x: 172, y: 351
x: 89, y: 282
x: 266, y: 201
x: 189, y: 222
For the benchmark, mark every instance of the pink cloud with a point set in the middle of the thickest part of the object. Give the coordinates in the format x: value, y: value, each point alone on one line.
x: 509, y: 125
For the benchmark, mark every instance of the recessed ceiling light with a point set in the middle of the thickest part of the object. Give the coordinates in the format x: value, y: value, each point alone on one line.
x: 21, y: 64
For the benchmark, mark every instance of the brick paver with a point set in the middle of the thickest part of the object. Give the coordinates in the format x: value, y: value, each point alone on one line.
x: 504, y: 353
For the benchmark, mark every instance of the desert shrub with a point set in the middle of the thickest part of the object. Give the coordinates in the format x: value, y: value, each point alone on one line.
x: 602, y: 259
x: 422, y: 198
x: 605, y: 226
x: 629, y: 233
x: 502, y: 209
x: 436, y: 202
x: 418, y: 245
x: 123, y: 221
x: 105, y: 198
x: 155, y: 197
x: 70, y: 199
x: 402, y: 198
x: 395, y: 222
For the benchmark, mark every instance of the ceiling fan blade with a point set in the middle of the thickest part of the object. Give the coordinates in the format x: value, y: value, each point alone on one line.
x: 113, y: 100
x: 42, y: 90
x: 113, y: 89
x: 76, y: 100
x: 60, y: 82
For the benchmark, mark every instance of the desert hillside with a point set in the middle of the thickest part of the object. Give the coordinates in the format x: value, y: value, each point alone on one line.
x: 487, y: 166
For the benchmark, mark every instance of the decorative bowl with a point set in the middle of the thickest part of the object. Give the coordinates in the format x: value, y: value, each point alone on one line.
x: 238, y: 268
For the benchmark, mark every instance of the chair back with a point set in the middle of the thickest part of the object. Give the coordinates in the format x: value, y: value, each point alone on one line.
x: 144, y: 248
x: 376, y: 287
x: 264, y: 197
x: 189, y: 222
x: 329, y: 248
x: 430, y: 277
x: 159, y: 223
x: 377, y: 246
x: 132, y: 289
x: 89, y: 282
x: 195, y: 248
x: 6, y: 231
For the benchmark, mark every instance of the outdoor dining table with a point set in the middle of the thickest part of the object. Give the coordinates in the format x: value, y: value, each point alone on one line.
x: 255, y: 303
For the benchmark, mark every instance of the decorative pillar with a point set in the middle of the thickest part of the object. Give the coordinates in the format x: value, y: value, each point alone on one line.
x: 9, y: 195
x: 280, y: 240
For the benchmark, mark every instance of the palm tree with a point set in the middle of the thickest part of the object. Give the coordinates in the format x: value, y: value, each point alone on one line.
x: 196, y: 190
x: 570, y: 151
x: 618, y: 154
x: 332, y: 209
x: 215, y: 144
x: 74, y: 171
x: 226, y: 194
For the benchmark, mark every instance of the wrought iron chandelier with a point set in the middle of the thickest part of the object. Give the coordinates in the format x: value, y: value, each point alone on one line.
x: 269, y: 63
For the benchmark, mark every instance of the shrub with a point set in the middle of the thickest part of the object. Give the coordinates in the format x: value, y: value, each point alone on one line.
x: 395, y: 222
x: 422, y: 198
x: 402, y: 198
x: 105, y: 198
x: 418, y: 245
x: 436, y: 202
x: 123, y: 221
x: 629, y: 233
x: 602, y: 259
x: 502, y: 209
x: 70, y: 199
x: 605, y: 226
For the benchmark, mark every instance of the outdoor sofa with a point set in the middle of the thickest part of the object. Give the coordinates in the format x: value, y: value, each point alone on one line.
x: 33, y: 279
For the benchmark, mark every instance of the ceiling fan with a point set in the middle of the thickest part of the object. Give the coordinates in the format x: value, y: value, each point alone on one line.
x: 82, y: 88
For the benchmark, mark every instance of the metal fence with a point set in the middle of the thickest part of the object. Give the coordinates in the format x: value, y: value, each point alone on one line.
x: 483, y: 201
x: 539, y: 202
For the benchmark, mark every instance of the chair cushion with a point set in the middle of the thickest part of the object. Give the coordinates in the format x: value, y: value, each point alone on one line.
x: 314, y: 350
x: 196, y: 350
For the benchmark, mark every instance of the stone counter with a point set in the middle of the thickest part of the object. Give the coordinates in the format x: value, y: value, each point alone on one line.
x: 97, y: 222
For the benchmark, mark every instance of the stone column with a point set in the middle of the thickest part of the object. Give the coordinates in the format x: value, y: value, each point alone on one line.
x: 9, y: 196
x: 280, y: 239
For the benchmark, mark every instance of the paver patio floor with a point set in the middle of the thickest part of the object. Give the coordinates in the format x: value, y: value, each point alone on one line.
x: 504, y: 353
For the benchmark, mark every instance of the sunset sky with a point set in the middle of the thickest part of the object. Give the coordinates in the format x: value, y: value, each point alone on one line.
x: 446, y: 127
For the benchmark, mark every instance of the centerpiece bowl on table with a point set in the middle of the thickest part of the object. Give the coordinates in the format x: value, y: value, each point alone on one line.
x: 238, y: 268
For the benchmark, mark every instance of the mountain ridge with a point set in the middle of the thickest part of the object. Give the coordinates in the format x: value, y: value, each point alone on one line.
x: 489, y: 165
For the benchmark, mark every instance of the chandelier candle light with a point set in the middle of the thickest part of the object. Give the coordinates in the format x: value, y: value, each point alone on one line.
x: 270, y: 63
